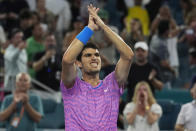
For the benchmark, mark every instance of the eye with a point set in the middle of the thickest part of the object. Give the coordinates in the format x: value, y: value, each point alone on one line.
x: 97, y: 54
x: 88, y: 55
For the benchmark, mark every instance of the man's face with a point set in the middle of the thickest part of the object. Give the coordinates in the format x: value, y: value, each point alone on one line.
x: 50, y: 42
x: 38, y: 31
x: 90, y: 61
x: 141, y: 55
x: 17, y: 38
x: 23, y: 83
x: 193, y: 92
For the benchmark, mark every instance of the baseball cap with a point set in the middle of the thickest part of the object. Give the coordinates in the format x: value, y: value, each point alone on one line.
x: 141, y: 44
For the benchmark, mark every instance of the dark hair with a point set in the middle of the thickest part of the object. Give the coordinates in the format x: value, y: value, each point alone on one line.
x: 14, y: 32
x: 36, y: 14
x: 163, y: 27
x: 88, y: 45
x: 25, y: 14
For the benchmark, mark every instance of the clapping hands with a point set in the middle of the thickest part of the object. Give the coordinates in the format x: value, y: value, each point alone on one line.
x: 94, y: 20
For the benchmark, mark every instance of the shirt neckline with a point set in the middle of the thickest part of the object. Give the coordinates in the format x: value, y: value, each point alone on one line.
x: 92, y: 87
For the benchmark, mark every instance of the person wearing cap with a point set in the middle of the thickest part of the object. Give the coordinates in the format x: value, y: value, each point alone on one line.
x: 142, y: 70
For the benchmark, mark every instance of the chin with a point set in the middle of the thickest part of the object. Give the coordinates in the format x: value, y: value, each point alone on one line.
x: 93, y: 72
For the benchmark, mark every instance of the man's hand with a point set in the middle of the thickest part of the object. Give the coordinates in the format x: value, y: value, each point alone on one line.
x: 91, y: 23
x: 48, y: 54
x: 17, y: 97
x: 25, y: 98
x: 22, y: 45
x: 152, y: 74
x: 94, y: 19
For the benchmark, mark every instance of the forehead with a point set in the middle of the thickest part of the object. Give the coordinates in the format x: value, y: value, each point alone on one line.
x: 18, y: 34
x: 23, y: 76
x: 140, y: 49
x: 90, y: 50
x: 143, y: 86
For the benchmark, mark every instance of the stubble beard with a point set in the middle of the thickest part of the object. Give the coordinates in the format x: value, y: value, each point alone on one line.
x: 93, y: 72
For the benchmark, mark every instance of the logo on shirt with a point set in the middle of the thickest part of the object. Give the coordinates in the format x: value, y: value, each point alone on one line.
x: 106, y: 90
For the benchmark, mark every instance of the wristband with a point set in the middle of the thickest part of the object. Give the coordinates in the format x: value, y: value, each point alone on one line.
x: 85, y: 35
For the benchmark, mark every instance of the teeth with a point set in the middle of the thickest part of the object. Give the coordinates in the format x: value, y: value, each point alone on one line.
x: 94, y: 64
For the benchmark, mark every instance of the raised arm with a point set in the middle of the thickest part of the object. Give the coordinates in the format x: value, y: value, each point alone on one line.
x: 69, y: 70
x: 126, y: 54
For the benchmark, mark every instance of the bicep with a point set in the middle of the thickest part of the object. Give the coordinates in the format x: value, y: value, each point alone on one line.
x: 122, y: 70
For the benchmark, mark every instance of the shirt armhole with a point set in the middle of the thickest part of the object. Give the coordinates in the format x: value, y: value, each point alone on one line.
x: 66, y: 90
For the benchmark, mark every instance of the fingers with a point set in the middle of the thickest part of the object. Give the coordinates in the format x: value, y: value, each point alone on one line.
x: 97, y: 10
x: 92, y: 10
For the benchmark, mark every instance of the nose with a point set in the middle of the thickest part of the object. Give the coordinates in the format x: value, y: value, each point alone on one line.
x: 94, y: 57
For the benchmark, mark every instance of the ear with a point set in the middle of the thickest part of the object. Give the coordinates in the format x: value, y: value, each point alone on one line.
x: 79, y: 64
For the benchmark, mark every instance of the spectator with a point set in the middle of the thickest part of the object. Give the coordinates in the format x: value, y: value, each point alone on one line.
x: 192, y: 62
x: 78, y: 25
x: 143, y: 113
x: 21, y: 110
x: 159, y: 54
x: 25, y: 23
x: 15, y: 58
x: 187, y: 6
x: 135, y: 34
x: 45, y: 15
x: 137, y: 11
x: 47, y: 64
x: 190, y: 33
x: 10, y: 10
x: 187, y: 116
x: 163, y: 14
x: 142, y: 70
x: 2, y: 36
x: 34, y: 45
x: 63, y: 18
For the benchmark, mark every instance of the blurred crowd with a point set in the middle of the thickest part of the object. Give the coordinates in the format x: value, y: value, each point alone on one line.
x: 34, y: 34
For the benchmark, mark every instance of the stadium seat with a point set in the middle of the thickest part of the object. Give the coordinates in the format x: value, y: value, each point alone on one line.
x: 170, y: 114
x: 180, y: 96
x: 53, y: 111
